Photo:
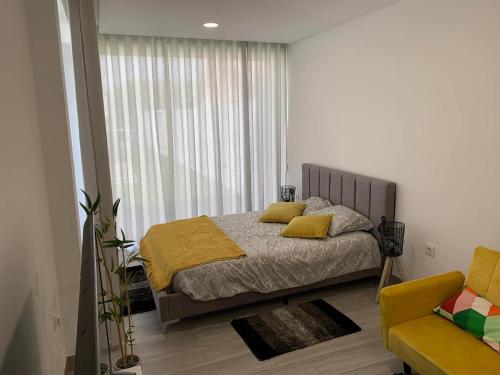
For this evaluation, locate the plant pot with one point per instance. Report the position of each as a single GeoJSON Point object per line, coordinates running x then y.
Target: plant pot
{"type": "Point", "coordinates": [127, 362]}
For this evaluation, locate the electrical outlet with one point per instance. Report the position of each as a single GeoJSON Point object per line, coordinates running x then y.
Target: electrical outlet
{"type": "Point", "coordinates": [430, 250]}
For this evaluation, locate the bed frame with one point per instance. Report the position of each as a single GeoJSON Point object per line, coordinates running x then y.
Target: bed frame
{"type": "Point", "coordinates": [371, 197]}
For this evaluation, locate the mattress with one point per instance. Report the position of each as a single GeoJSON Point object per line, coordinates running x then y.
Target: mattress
{"type": "Point", "coordinates": [274, 262]}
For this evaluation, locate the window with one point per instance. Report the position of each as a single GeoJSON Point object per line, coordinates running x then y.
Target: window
{"type": "Point", "coordinates": [194, 126]}
{"type": "Point", "coordinates": [70, 91]}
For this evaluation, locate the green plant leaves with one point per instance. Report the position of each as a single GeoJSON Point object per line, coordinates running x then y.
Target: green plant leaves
{"type": "Point", "coordinates": [87, 211]}
{"type": "Point", "coordinates": [115, 207]}
{"type": "Point", "coordinates": [115, 303]}
{"type": "Point", "coordinates": [136, 257]}
{"type": "Point", "coordinates": [88, 201]}
{"type": "Point", "coordinates": [95, 205]}
{"type": "Point", "coordinates": [90, 207]}
{"type": "Point", "coordinates": [122, 243]}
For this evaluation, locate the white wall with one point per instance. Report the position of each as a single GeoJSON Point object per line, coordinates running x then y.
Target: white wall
{"type": "Point", "coordinates": [410, 93]}
{"type": "Point", "coordinates": [30, 342]}
{"type": "Point", "coordinates": [45, 55]}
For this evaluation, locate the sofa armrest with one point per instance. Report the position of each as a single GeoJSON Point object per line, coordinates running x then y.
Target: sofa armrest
{"type": "Point", "coordinates": [417, 298]}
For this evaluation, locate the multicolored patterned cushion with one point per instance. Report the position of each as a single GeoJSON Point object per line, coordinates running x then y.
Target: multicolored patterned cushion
{"type": "Point", "coordinates": [474, 314]}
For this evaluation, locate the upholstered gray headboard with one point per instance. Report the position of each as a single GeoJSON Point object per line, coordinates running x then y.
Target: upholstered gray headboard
{"type": "Point", "coordinates": [369, 196]}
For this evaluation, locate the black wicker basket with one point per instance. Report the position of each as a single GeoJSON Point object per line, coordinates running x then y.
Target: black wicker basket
{"type": "Point", "coordinates": [392, 235]}
{"type": "Point", "coordinates": [287, 193]}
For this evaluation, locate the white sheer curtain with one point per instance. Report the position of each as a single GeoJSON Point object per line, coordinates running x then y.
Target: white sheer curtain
{"type": "Point", "coordinates": [194, 126]}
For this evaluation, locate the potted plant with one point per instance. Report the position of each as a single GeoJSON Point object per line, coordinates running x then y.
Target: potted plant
{"type": "Point", "coordinates": [114, 258]}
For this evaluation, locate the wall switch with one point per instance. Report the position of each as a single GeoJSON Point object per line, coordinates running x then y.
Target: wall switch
{"type": "Point", "coordinates": [430, 250]}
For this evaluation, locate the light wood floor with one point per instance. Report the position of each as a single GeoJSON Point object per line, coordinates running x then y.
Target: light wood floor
{"type": "Point", "coordinates": [209, 346]}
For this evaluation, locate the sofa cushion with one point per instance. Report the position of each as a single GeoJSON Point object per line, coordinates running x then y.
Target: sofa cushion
{"type": "Point", "coordinates": [435, 346]}
{"type": "Point", "coordinates": [484, 274]}
{"type": "Point", "coordinates": [474, 314]}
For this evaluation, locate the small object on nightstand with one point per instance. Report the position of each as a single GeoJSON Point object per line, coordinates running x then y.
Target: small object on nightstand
{"type": "Point", "coordinates": [391, 245]}
{"type": "Point", "coordinates": [287, 193]}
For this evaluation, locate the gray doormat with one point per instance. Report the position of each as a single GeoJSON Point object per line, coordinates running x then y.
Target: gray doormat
{"type": "Point", "coordinates": [290, 328]}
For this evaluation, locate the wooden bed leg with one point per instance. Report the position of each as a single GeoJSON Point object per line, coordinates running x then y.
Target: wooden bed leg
{"type": "Point", "coordinates": [165, 325]}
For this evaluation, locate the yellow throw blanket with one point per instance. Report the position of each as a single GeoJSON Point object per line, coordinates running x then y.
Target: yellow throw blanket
{"type": "Point", "coordinates": [182, 244]}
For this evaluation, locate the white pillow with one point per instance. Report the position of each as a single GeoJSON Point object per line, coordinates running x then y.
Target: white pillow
{"type": "Point", "coordinates": [344, 220]}
{"type": "Point", "coordinates": [314, 204]}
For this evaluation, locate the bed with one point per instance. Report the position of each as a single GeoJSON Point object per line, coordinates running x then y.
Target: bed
{"type": "Point", "coordinates": [277, 267]}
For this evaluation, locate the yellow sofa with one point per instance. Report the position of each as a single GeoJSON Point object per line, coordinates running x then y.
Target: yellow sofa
{"type": "Point", "coordinates": [428, 343]}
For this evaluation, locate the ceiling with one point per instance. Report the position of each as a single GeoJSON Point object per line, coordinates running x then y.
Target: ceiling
{"type": "Point", "coordinates": [282, 21]}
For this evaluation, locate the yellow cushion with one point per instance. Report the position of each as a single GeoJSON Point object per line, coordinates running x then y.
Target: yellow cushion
{"type": "Point", "coordinates": [308, 226]}
{"type": "Point", "coordinates": [434, 346]}
{"type": "Point", "coordinates": [484, 274]}
{"type": "Point", "coordinates": [282, 212]}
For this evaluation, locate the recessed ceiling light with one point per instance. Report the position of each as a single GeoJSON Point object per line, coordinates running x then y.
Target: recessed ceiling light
{"type": "Point", "coordinates": [211, 25]}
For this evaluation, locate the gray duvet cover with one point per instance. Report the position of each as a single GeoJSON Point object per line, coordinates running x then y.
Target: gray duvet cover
{"type": "Point", "coordinates": [274, 262]}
